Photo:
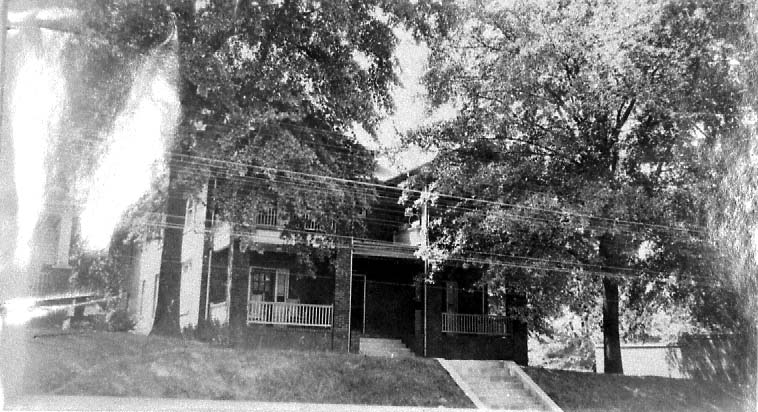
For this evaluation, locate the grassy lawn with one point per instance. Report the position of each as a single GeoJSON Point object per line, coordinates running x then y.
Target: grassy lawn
{"type": "Point", "coordinates": [584, 391]}
{"type": "Point", "coordinates": [120, 364]}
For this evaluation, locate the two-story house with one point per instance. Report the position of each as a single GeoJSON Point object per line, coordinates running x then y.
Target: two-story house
{"type": "Point", "coordinates": [327, 295]}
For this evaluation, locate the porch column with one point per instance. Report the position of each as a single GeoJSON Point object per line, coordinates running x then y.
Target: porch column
{"type": "Point", "coordinates": [434, 308]}
{"type": "Point", "coordinates": [342, 293]}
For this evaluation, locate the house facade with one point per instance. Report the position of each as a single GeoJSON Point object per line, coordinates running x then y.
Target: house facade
{"type": "Point", "coordinates": [48, 269]}
{"type": "Point", "coordinates": [326, 297]}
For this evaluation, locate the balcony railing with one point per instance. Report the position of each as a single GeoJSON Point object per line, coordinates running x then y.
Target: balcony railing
{"type": "Point", "coordinates": [293, 314]}
{"type": "Point", "coordinates": [474, 324]}
{"type": "Point", "coordinates": [270, 217]}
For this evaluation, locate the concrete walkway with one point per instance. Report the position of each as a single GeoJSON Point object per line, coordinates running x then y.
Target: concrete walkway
{"type": "Point", "coordinates": [498, 385]}
{"type": "Point", "coordinates": [107, 403]}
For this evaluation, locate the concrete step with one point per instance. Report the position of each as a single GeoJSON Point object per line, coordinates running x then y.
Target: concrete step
{"type": "Point", "coordinates": [513, 402]}
{"type": "Point", "coordinates": [494, 387]}
{"type": "Point", "coordinates": [385, 350]}
{"type": "Point", "coordinates": [501, 378]}
{"type": "Point", "coordinates": [390, 348]}
{"type": "Point", "coordinates": [376, 346]}
{"type": "Point", "coordinates": [395, 343]}
{"type": "Point", "coordinates": [389, 354]}
{"type": "Point", "coordinates": [484, 371]}
{"type": "Point", "coordinates": [379, 340]}
{"type": "Point", "coordinates": [382, 343]}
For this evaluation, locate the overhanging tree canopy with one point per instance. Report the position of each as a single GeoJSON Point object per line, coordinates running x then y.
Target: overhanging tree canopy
{"type": "Point", "coordinates": [584, 122]}
{"type": "Point", "coordinates": [266, 86]}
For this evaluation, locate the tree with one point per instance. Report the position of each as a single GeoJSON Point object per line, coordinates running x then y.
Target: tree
{"type": "Point", "coordinates": [265, 86]}
{"type": "Point", "coordinates": [581, 125]}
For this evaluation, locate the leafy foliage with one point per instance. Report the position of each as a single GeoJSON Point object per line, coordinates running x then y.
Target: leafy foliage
{"type": "Point", "coordinates": [577, 118]}
{"type": "Point", "coordinates": [276, 85]}
{"type": "Point", "coordinates": [265, 87]}
{"type": "Point", "coordinates": [119, 320]}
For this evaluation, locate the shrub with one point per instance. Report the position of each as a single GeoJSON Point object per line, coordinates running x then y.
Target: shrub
{"type": "Point", "coordinates": [118, 320]}
{"type": "Point", "coordinates": [212, 332]}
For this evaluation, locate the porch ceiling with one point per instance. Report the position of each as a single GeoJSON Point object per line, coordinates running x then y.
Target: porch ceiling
{"type": "Point", "coordinates": [383, 249]}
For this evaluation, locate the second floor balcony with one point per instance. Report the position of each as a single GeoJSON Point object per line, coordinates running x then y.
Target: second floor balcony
{"type": "Point", "coordinates": [269, 222]}
{"type": "Point", "coordinates": [272, 218]}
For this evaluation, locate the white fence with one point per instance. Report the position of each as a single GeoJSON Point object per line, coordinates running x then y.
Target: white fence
{"type": "Point", "coordinates": [474, 324]}
{"type": "Point", "coordinates": [285, 313]}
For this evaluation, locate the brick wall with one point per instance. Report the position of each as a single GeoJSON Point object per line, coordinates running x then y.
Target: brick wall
{"type": "Point", "coordinates": [342, 286]}
{"type": "Point", "coordinates": [240, 266]}
{"type": "Point", "coordinates": [288, 338]}
{"type": "Point", "coordinates": [335, 338]}
{"type": "Point", "coordinates": [456, 346]}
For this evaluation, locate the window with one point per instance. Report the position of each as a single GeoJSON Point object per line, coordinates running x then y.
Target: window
{"type": "Point", "coordinates": [261, 283]}
{"type": "Point", "coordinates": [269, 285]}
{"type": "Point", "coordinates": [282, 286]}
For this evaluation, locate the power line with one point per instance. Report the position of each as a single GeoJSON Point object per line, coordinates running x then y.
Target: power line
{"type": "Point", "coordinates": [208, 161]}
{"type": "Point", "coordinates": [577, 267]}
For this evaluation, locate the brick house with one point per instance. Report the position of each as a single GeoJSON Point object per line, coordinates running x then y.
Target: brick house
{"type": "Point", "coordinates": [355, 288]}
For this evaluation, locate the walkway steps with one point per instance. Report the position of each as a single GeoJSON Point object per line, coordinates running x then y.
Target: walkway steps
{"type": "Point", "coordinates": [388, 348]}
{"type": "Point", "coordinates": [498, 385]}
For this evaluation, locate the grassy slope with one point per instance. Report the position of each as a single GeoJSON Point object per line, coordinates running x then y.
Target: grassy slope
{"type": "Point", "coordinates": [584, 391]}
{"type": "Point", "coordinates": [99, 363]}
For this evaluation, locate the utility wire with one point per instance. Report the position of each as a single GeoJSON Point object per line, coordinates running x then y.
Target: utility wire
{"type": "Point", "coordinates": [198, 161]}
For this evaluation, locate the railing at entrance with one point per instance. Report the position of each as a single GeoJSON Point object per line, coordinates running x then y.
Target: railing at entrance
{"type": "Point", "coordinates": [286, 313]}
{"type": "Point", "coordinates": [474, 324]}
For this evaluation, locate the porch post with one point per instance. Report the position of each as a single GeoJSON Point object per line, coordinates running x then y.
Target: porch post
{"type": "Point", "coordinates": [229, 277]}
{"type": "Point", "coordinates": [342, 295]}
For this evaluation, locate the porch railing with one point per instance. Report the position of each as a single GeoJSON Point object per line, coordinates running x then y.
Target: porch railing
{"type": "Point", "coordinates": [286, 313]}
{"type": "Point", "coordinates": [474, 324]}
{"type": "Point", "coordinates": [268, 217]}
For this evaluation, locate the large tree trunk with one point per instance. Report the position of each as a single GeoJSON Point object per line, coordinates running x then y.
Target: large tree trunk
{"type": "Point", "coordinates": [610, 253]}
{"type": "Point", "coordinates": [167, 307]}
{"type": "Point", "coordinates": [611, 340]}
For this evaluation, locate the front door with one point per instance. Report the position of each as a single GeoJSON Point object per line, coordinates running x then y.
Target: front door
{"type": "Point", "coordinates": [261, 284]}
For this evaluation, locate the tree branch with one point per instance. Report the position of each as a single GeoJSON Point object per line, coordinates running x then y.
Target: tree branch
{"type": "Point", "coordinates": [546, 149]}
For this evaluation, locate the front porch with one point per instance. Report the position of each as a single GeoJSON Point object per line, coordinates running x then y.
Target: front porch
{"type": "Point", "coordinates": [474, 324]}
{"type": "Point", "coordinates": [290, 314]}
{"type": "Point", "coordinates": [449, 318]}
{"type": "Point", "coordinates": [269, 299]}
{"type": "Point", "coordinates": [367, 290]}
{"type": "Point", "coordinates": [453, 335]}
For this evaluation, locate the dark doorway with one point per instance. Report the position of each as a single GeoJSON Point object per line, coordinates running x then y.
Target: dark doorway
{"type": "Point", "coordinates": [358, 304]}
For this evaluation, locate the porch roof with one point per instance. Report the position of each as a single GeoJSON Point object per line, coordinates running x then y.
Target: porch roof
{"type": "Point", "coordinates": [378, 248]}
